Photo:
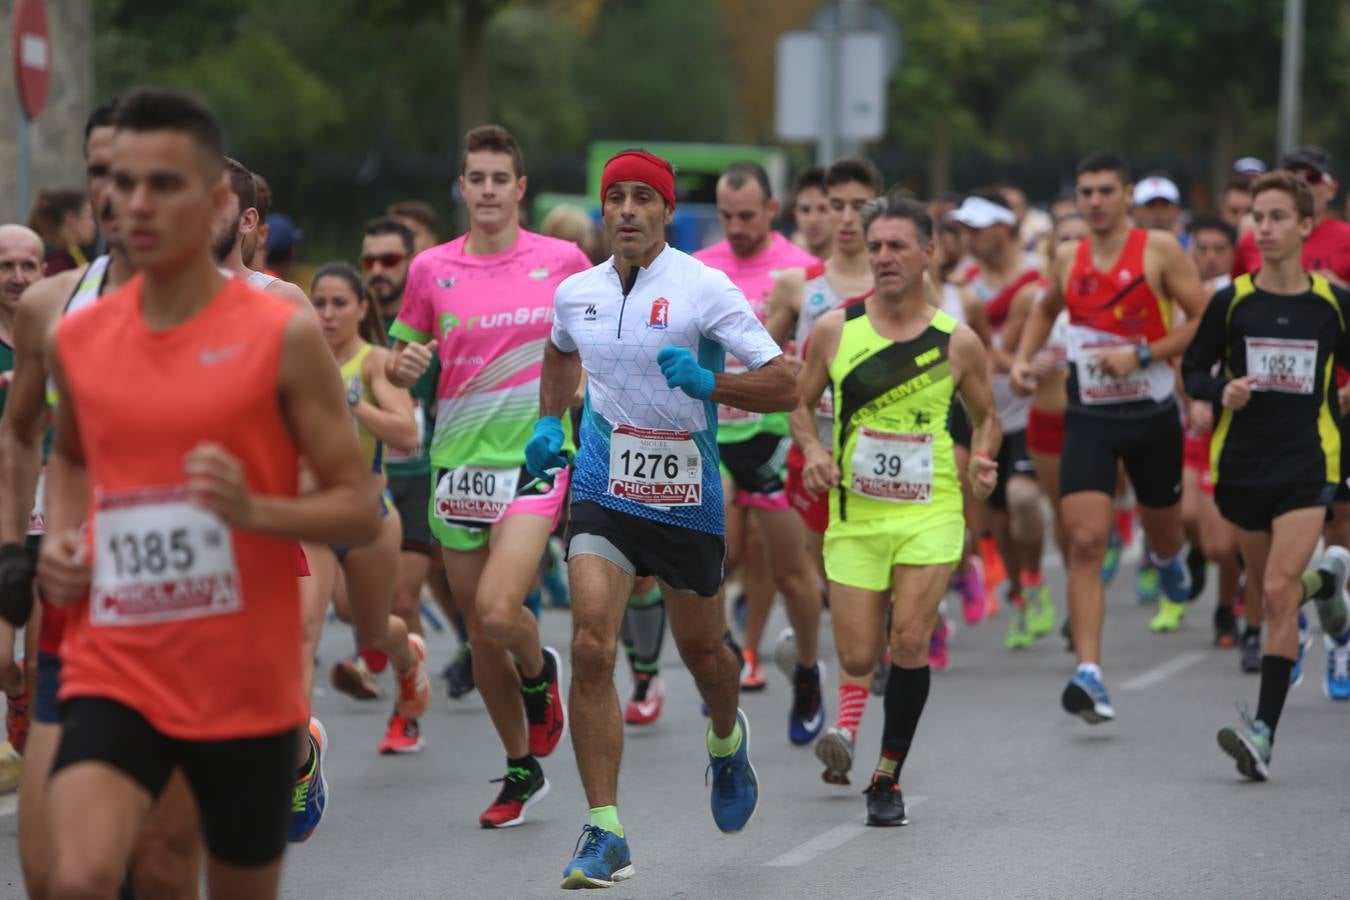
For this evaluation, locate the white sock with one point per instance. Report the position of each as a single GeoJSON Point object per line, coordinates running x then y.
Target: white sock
{"type": "Point", "coordinates": [1089, 668]}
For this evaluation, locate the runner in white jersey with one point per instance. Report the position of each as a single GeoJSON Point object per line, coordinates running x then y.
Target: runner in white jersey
{"type": "Point", "coordinates": [1005, 285]}
{"type": "Point", "coordinates": [651, 327]}
{"type": "Point", "coordinates": [803, 296]}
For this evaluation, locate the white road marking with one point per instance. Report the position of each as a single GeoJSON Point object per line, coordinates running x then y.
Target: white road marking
{"type": "Point", "coordinates": [1164, 671]}
{"type": "Point", "coordinates": [829, 840]}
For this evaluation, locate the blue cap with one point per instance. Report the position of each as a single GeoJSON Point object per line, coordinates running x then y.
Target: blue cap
{"type": "Point", "coordinates": [283, 233]}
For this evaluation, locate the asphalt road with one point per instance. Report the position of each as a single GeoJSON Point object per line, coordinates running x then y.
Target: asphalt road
{"type": "Point", "coordinates": [1009, 796]}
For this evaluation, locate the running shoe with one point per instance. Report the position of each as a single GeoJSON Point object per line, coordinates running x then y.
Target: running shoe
{"type": "Point", "coordinates": [1175, 580]}
{"type": "Point", "coordinates": [544, 709]}
{"type": "Point", "coordinates": [882, 673]}
{"type": "Point", "coordinates": [1248, 744]}
{"type": "Point", "coordinates": [1332, 611]}
{"type": "Point", "coordinates": [1041, 614]}
{"type": "Point", "coordinates": [970, 585]}
{"type": "Point", "coordinates": [309, 797]}
{"type": "Point", "coordinates": [885, 803]}
{"type": "Point", "coordinates": [1305, 642]}
{"type": "Point", "coordinates": [1336, 684]}
{"type": "Point", "coordinates": [937, 644]}
{"type": "Point", "coordinates": [1111, 561]}
{"type": "Point", "coordinates": [1196, 568]}
{"type": "Point", "coordinates": [402, 736]}
{"type": "Point", "coordinates": [459, 673]}
{"type": "Point", "coordinates": [1225, 627]}
{"type": "Point", "coordinates": [1066, 632]}
{"type": "Point", "coordinates": [735, 789]}
{"type": "Point", "coordinates": [1019, 632]}
{"type": "Point", "coordinates": [644, 707]}
{"type": "Point", "coordinates": [807, 717]}
{"type": "Point", "coordinates": [785, 653]}
{"type": "Point", "coordinates": [522, 788]}
{"type": "Point", "coordinates": [995, 571]}
{"type": "Point", "coordinates": [835, 751]}
{"type": "Point", "coordinates": [354, 678]}
{"type": "Point", "coordinates": [600, 859]}
{"type": "Point", "coordinates": [1085, 696]}
{"type": "Point", "coordinates": [752, 676]}
{"type": "Point", "coordinates": [1146, 586]}
{"type": "Point", "coordinates": [1169, 618]}
{"type": "Point", "coordinates": [414, 688]}
{"type": "Point", "coordinates": [1251, 653]}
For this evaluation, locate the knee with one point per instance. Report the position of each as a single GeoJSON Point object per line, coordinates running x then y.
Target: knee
{"type": "Point", "coordinates": [500, 620]}
{"type": "Point", "coordinates": [1282, 592]}
{"type": "Point", "coordinates": [1085, 543]}
{"type": "Point", "coordinates": [592, 656]}
{"type": "Point", "coordinates": [1024, 505]}
{"type": "Point", "coordinates": [165, 871]}
{"type": "Point", "coordinates": [857, 662]}
{"type": "Point", "coordinates": [704, 658]}
{"type": "Point", "coordinates": [73, 881]}
{"type": "Point", "coordinates": [407, 604]}
{"type": "Point", "coordinates": [796, 581]}
{"type": "Point", "coordinates": [909, 646]}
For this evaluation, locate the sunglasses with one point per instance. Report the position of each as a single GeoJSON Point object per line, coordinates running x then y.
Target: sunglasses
{"type": "Point", "coordinates": [1312, 176]}
{"type": "Point", "coordinates": [387, 260]}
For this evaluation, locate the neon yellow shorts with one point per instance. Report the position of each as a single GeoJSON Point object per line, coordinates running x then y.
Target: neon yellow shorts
{"type": "Point", "coordinates": [864, 554]}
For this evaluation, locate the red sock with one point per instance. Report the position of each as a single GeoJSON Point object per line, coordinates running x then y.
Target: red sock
{"type": "Point", "coordinates": [852, 701]}
{"type": "Point", "coordinates": [376, 660]}
{"type": "Point", "coordinates": [1031, 579]}
{"type": "Point", "coordinates": [1125, 524]}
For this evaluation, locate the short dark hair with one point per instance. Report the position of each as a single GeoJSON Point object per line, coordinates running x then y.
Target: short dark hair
{"type": "Point", "coordinates": [1291, 184]}
{"type": "Point", "coordinates": [810, 177]}
{"type": "Point", "coordinates": [103, 116]}
{"type": "Point", "coordinates": [390, 225]}
{"type": "Point", "coordinates": [1210, 222]}
{"type": "Point", "coordinates": [1237, 183]}
{"type": "Point", "coordinates": [421, 213]}
{"type": "Point", "coordinates": [158, 109]}
{"type": "Point", "coordinates": [857, 169]}
{"type": "Point", "coordinates": [243, 184]}
{"type": "Point", "coordinates": [900, 205]}
{"type": "Point", "coordinates": [742, 171]}
{"type": "Point", "coordinates": [264, 192]}
{"type": "Point", "coordinates": [1105, 161]}
{"type": "Point", "coordinates": [492, 139]}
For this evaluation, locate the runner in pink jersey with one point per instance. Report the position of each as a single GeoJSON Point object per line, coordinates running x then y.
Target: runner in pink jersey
{"type": "Point", "coordinates": [754, 451]}
{"type": "Point", "coordinates": [484, 303]}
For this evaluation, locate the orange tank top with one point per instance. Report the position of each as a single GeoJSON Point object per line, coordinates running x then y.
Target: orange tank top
{"type": "Point", "coordinates": [192, 623]}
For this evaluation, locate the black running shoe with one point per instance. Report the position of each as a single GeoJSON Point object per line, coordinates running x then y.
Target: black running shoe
{"type": "Point", "coordinates": [1066, 632]}
{"type": "Point", "coordinates": [1251, 653]}
{"type": "Point", "coordinates": [459, 673]}
{"type": "Point", "coordinates": [885, 803]}
{"type": "Point", "coordinates": [1197, 564]}
{"type": "Point", "coordinates": [1225, 627]}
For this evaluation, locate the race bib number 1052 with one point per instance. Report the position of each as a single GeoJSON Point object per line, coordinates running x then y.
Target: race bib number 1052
{"type": "Point", "coordinates": [1278, 364]}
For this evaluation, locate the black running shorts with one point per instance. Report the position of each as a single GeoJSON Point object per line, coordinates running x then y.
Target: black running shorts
{"type": "Point", "coordinates": [1253, 507]}
{"type": "Point", "coordinates": [1150, 445]}
{"type": "Point", "coordinates": [681, 558]}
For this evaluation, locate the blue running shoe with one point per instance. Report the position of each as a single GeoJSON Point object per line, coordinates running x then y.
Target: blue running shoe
{"type": "Point", "coordinates": [310, 796]}
{"type": "Point", "coordinates": [807, 717]}
{"type": "Point", "coordinates": [601, 859]}
{"type": "Point", "coordinates": [1175, 580]}
{"type": "Point", "coordinates": [1111, 562]}
{"type": "Point", "coordinates": [1146, 586]}
{"type": "Point", "coordinates": [1337, 683]}
{"type": "Point", "coordinates": [735, 789]}
{"type": "Point", "coordinates": [1085, 696]}
{"type": "Point", "coordinates": [1305, 643]}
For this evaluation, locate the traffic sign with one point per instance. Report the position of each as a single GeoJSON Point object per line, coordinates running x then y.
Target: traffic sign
{"type": "Point", "coordinates": [805, 109]}
{"type": "Point", "coordinates": [32, 52]}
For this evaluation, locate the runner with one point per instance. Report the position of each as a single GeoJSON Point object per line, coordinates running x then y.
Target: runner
{"type": "Point", "coordinates": [1157, 205]}
{"type": "Point", "coordinates": [1276, 454]}
{"type": "Point", "coordinates": [195, 565]}
{"type": "Point", "coordinates": [1213, 244]}
{"type": "Point", "coordinates": [1121, 400]}
{"type": "Point", "coordinates": [484, 303]}
{"type": "Point", "coordinates": [800, 297]}
{"type": "Point", "coordinates": [811, 212]}
{"type": "Point", "coordinates": [647, 497]}
{"type": "Point", "coordinates": [754, 448]}
{"type": "Point", "coordinates": [419, 218]}
{"type": "Point", "coordinates": [1235, 204]}
{"type": "Point", "coordinates": [893, 364]}
{"type": "Point", "coordinates": [1006, 284]}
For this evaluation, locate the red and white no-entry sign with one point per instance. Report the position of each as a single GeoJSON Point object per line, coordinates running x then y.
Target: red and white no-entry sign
{"type": "Point", "coordinates": [32, 52]}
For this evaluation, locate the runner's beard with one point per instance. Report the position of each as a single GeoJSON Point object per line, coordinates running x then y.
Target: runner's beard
{"type": "Point", "coordinates": [222, 247]}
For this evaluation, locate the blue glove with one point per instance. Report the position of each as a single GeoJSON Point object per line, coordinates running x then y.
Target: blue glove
{"type": "Point", "coordinates": [543, 453]}
{"type": "Point", "coordinates": [682, 372]}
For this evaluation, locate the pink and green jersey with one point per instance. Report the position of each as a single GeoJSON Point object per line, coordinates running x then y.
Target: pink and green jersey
{"type": "Point", "coordinates": [491, 316]}
{"type": "Point", "coordinates": [755, 277]}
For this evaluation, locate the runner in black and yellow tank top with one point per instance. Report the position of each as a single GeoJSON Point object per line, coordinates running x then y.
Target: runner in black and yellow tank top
{"type": "Point", "coordinates": [896, 524]}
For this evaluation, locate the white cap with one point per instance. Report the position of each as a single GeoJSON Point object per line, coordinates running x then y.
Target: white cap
{"type": "Point", "coordinates": [1155, 187]}
{"type": "Point", "coordinates": [977, 212]}
{"type": "Point", "coordinates": [1249, 165]}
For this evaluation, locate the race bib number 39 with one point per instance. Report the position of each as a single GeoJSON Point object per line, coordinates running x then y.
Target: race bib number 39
{"type": "Point", "coordinates": [654, 467]}
{"type": "Point", "coordinates": [159, 558]}
{"type": "Point", "coordinates": [475, 494]}
{"type": "Point", "coordinates": [897, 468]}
{"type": "Point", "coordinates": [1286, 366]}
{"type": "Point", "coordinates": [1095, 386]}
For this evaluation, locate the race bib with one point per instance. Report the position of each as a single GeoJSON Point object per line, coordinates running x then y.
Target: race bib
{"type": "Point", "coordinates": [1286, 366]}
{"type": "Point", "coordinates": [654, 467]}
{"type": "Point", "coordinates": [37, 519]}
{"type": "Point", "coordinates": [476, 494]}
{"type": "Point", "coordinates": [897, 468]}
{"type": "Point", "coordinates": [730, 415]}
{"type": "Point", "coordinates": [825, 408]}
{"type": "Point", "coordinates": [158, 558]}
{"type": "Point", "coordinates": [393, 455]}
{"type": "Point", "coordinates": [1096, 387]}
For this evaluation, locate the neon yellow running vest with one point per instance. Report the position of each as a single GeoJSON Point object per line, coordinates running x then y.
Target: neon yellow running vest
{"type": "Point", "coordinates": [372, 448]}
{"type": "Point", "coordinates": [892, 398]}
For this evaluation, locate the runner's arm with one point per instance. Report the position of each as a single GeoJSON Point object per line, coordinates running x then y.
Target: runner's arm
{"type": "Point", "coordinates": [63, 569]}
{"type": "Point", "coordinates": [292, 294]}
{"type": "Point", "coordinates": [559, 380]}
{"type": "Point", "coordinates": [770, 388]}
{"type": "Point", "coordinates": [975, 316]}
{"type": "Point", "coordinates": [1046, 309]}
{"type": "Point", "coordinates": [1207, 348]}
{"type": "Point", "coordinates": [1004, 350]}
{"type": "Point", "coordinates": [784, 305]}
{"type": "Point", "coordinates": [390, 418]}
{"type": "Point", "coordinates": [1181, 282]}
{"type": "Point", "coordinates": [812, 381]}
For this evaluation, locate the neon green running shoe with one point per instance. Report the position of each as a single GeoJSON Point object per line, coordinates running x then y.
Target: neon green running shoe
{"type": "Point", "coordinates": [1169, 618]}
{"type": "Point", "coordinates": [1042, 617]}
{"type": "Point", "coordinates": [1146, 586]}
{"type": "Point", "coordinates": [1019, 631]}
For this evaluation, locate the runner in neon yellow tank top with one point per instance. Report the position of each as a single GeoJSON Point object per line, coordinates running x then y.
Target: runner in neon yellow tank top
{"type": "Point", "coordinates": [896, 525]}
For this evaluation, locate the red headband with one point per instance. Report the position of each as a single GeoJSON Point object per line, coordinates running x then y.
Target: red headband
{"type": "Point", "coordinates": [639, 165]}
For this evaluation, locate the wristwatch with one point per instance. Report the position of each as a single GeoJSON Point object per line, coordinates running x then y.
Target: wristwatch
{"type": "Point", "coordinates": [1145, 354]}
{"type": "Point", "coordinates": [353, 392]}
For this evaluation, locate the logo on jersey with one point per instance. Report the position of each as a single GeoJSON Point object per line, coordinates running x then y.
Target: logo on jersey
{"type": "Point", "coordinates": [447, 322]}
{"type": "Point", "coordinates": [524, 315]}
{"type": "Point", "coordinates": [591, 313]}
{"type": "Point", "coordinates": [446, 283]}
{"type": "Point", "coordinates": [817, 299]}
{"type": "Point", "coordinates": [1124, 276]}
{"type": "Point", "coordinates": [539, 274]}
{"type": "Point", "coordinates": [660, 314]}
